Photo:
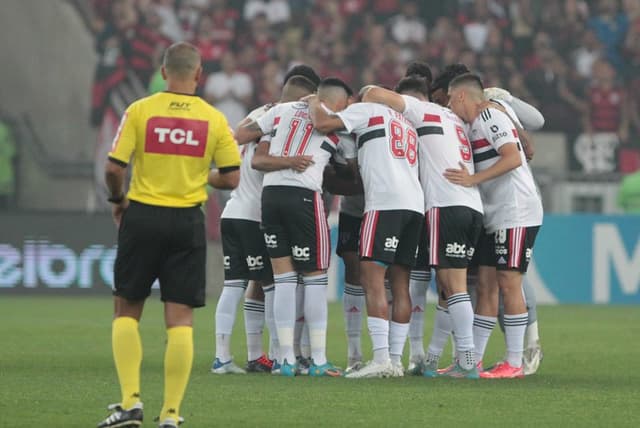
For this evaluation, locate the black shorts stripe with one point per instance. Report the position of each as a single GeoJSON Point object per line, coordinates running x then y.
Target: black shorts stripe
{"type": "Point", "coordinates": [376, 133]}
{"type": "Point", "coordinates": [489, 154]}
{"type": "Point", "coordinates": [430, 130]}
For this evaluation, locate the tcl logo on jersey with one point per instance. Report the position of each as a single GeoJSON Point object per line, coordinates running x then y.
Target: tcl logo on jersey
{"type": "Point", "coordinates": [255, 263]}
{"type": "Point", "coordinates": [176, 136]}
{"type": "Point", "coordinates": [300, 253]}
{"type": "Point", "coordinates": [456, 250]}
{"type": "Point", "coordinates": [391, 244]}
{"type": "Point", "coordinates": [270, 241]}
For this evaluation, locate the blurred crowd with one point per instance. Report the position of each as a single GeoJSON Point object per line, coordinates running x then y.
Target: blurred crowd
{"type": "Point", "coordinates": [576, 60]}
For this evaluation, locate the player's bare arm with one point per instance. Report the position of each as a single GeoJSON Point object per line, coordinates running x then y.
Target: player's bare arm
{"type": "Point", "coordinates": [509, 160]}
{"type": "Point", "coordinates": [247, 132]}
{"type": "Point", "coordinates": [322, 120]}
{"type": "Point", "coordinates": [375, 94]}
{"type": "Point", "coordinates": [263, 161]}
{"type": "Point", "coordinates": [115, 174]}
{"type": "Point", "coordinates": [224, 178]}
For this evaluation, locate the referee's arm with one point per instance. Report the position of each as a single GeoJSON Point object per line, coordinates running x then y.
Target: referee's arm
{"type": "Point", "coordinates": [227, 158]}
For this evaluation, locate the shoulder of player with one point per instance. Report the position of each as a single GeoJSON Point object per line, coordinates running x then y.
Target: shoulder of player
{"type": "Point", "coordinates": [492, 114]}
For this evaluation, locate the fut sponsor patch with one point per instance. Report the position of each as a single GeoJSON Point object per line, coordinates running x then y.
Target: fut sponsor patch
{"type": "Point", "coordinates": [176, 136]}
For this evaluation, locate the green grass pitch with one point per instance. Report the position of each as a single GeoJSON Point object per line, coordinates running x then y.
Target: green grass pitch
{"type": "Point", "coordinates": [56, 370]}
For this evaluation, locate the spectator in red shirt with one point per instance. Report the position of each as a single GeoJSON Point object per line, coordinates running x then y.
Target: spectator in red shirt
{"type": "Point", "coordinates": [607, 109]}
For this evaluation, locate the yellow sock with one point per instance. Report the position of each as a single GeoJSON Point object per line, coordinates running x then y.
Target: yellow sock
{"type": "Point", "coordinates": [177, 368]}
{"type": "Point", "coordinates": [127, 354]}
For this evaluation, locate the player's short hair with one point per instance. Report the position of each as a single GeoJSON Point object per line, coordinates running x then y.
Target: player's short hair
{"type": "Point", "coordinates": [181, 59]}
{"type": "Point", "coordinates": [413, 83]}
{"type": "Point", "coordinates": [302, 70]}
{"type": "Point", "coordinates": [303, 83]}
{"type": "Point", "coordinates": [419, 69]}
{"type": "Point", "coordinates": [467, 79]}
{"type": "Point", "coordinates": [335, 82]}
{"type": "Point", "coordinates": [447, 75]}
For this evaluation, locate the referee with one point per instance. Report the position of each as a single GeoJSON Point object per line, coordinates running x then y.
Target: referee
{"type": "Point", "coordinates": [172, 137]}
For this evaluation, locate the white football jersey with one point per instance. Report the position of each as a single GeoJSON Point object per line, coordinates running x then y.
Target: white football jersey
{"type": "Point", "coordinates": [442, 144]}
{"type": "Point", "coordinates": [510, 200]}
{"type": "Point", "coordinates": [352, 205]}
{"type": "Point", "coordinates": [293, 134]}
{"type": "Point", "coordinates": [387, 157]}
{"type": "Point", "coordinates": [244, 203]}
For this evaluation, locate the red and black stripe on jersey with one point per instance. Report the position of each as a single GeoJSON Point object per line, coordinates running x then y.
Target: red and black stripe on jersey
{"type": "Point", "coordinates": [431, 128]}
{"type": "Point", "coordinates": [331, 145]}
{"type": "Point", "coordinates": [380, 132]}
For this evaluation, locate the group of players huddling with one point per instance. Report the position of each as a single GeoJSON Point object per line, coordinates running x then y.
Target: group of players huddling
{"type": "Point", "coordinates": [434, 175]}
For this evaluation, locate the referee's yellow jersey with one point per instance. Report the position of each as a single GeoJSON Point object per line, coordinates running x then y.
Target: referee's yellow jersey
{"type": "Point", "coordinates": [173, 139]}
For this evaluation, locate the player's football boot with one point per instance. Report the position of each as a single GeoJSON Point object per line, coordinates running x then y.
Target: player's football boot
{"type": "Point", "coordinates": [460, 373]}
{"type": "Point", "coordinates": [430, 369]}
{"type": "Point", "coordinates": [121, 418]}
{"type": "Point", "coordinates": [397, 369]}
{"type": "Point", "coordinates": [259, 365]}
{"type": "Point", "coordinates": [303, 365]}
{"type": "Point", "coordinates": [326, 369]}
{"type": "Point", "coordinates": [289, 370]}
{"type": "Point", "coordinates": [503, 370]}
{"type": "Point", "coordinates": [531, 359]}
{"type": "Point", "coordinates": [354, 366]}
{"type": "Point", "coordinates": [275, 367]}
{"type": "Point", "coordinates": [371, 370]}
{"type": "Point", "coordinates": [228, 367]}
{"type": "Point", "coordinates": [416, 365]}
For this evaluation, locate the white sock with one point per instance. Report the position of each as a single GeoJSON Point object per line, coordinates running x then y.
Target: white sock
{"type": "Point", "coordinates": [226, 309]}
{"type": "Point", "coordinates": [253, 325]}
{"type": "Point", "coordinates": [284, 311]}
{"type": "Point", "coordinates": [379, 332]}
{"type": "Point", "coordinates": [418, 284]}
{"type": "Point", "coordinates": [514, 328]}
{"type": "Point", "coordinates": [274, 346]}
{"type": "Point", "coordinates": [353, 303]}
{"type": "Point", "coordinates": [532, 337]}
{"type": "Point", "coordinates": [482, 328]}
{"type": "Point", "coordinates": [297, 334]}
{"type": "Point", "coordinates": [315, 314]}
{"type": "Point", "coordinates": [461, 314]}
{"type": "Point", "coordinates": [305, 342]}
{"type": "Point", "coordinates": [441, 331]}
{"type": "Point", "coordinates": [397, 337]}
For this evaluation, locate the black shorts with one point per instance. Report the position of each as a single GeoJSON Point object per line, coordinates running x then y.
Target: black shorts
{"type": "Point", "coordinates": [391, 236]}
{"type": "Point", "coordinates": [507, 249]}
{"type": "Point", "coordinates": [348, 234]}
{"type": "Point", "coordinates": [453, 235]}
{"type": "Point", "coordinates": [161, 243]}
{"type": "Point", "coordinates": [422, 258]}
{"type": "Point", "coordinates": [245, 255]}
{"type": "Point", "coordinates": [294, 224]}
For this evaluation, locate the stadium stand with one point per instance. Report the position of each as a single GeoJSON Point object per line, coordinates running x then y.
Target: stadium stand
{"type": "Point", "coordinates": [576, 60]}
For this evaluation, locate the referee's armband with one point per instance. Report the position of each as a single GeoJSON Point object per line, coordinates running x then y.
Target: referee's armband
{"type": "Point", "coordinates": [227, 169]}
